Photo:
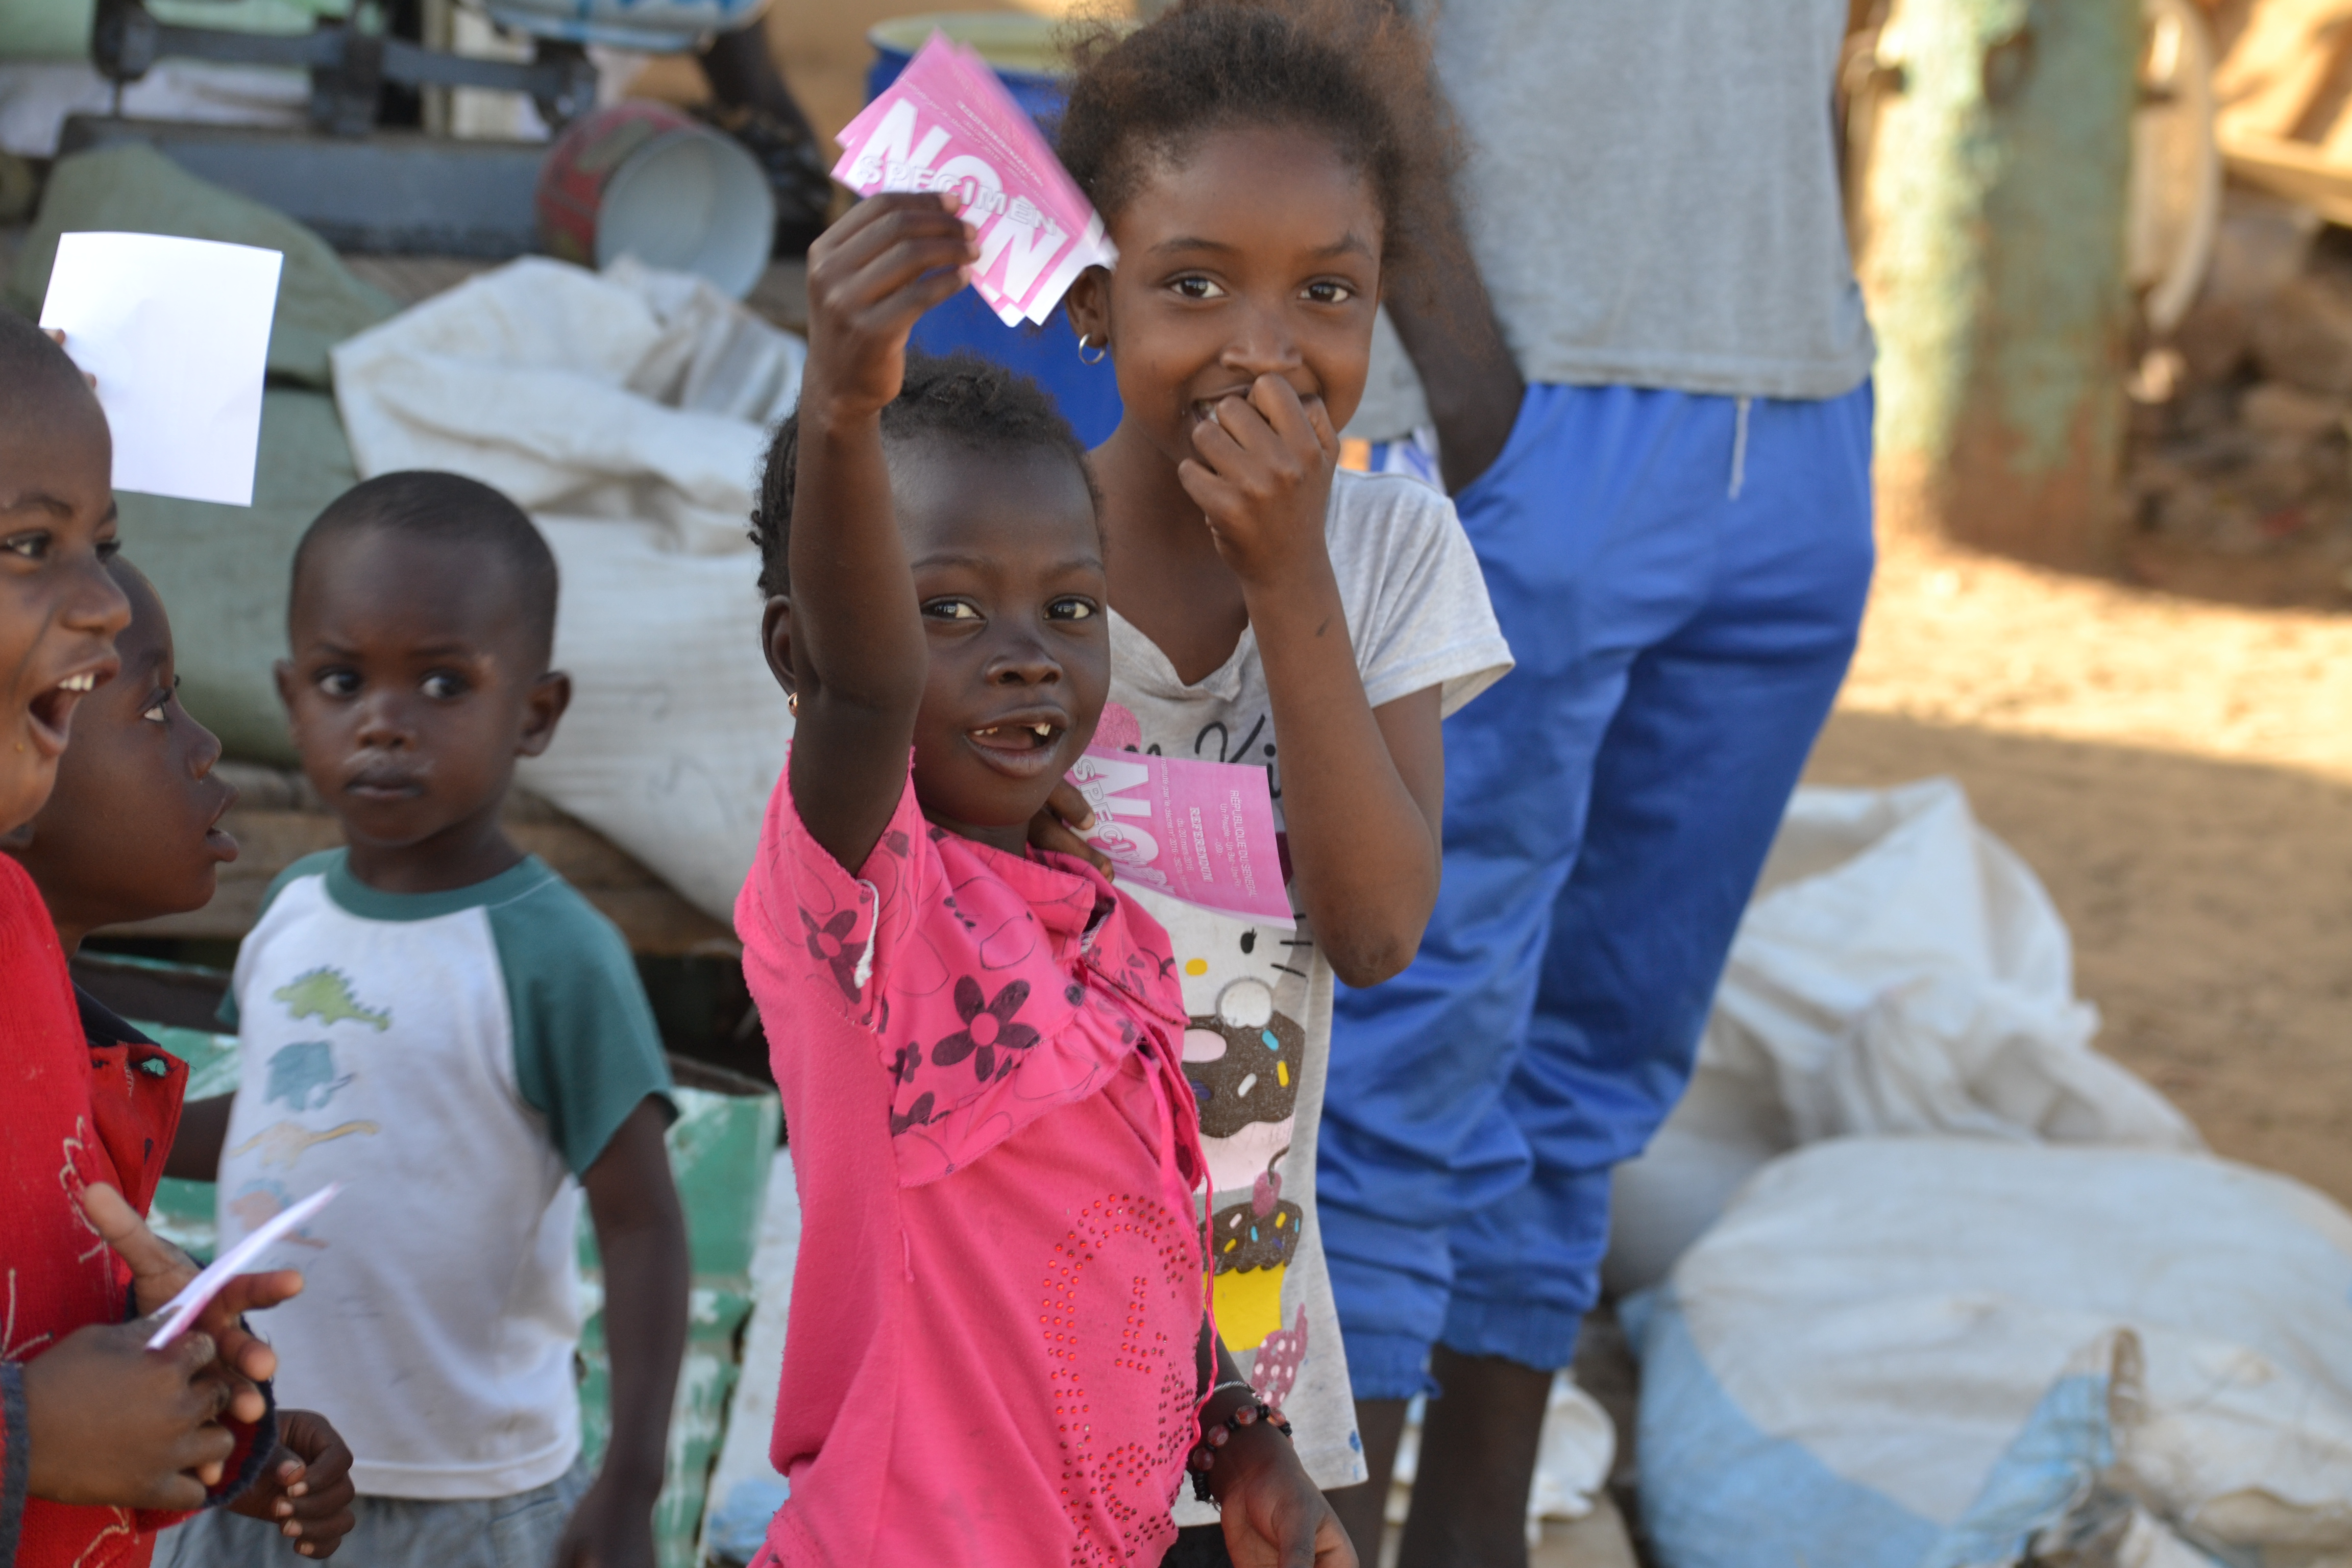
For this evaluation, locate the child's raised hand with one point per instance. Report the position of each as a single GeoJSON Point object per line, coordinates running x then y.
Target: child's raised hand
{"type": "Point", "coordinates": [110, 1423]}
{"type": "Point", "coordinates": [306, 1489]}
{"type": "Point", "coordinates": [870, 274]}
{"type": "Point", "coordinates": [160, 1271]}
{"type": "Point", "coordinates": [1262, 474]}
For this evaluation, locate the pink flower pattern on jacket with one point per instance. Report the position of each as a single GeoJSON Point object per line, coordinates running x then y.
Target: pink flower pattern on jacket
{"type": "Point", "coordinates": [989, 1027]}
{"type": "Point", "coordinates": [1001, 1284]}
{"type": "Point", "coordinates": [979, 951]}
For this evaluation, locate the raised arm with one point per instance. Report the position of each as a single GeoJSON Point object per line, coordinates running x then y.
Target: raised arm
{"type": "Point", "coordinates": [848, 640]}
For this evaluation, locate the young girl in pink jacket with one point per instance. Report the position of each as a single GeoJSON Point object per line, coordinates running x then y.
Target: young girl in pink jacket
{"type": "Point", "coordinates": [999, 1350]}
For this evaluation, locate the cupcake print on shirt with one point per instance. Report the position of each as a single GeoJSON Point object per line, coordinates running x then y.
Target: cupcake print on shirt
{"type": "Point", "coordinates": [1243, 1059]}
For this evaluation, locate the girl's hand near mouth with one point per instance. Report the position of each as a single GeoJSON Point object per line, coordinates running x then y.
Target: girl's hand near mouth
{"type": "Point", "coordinates": [1261, 476]}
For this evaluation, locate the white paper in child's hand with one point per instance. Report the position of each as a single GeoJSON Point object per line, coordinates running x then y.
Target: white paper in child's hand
{"type": "Point", "coordinates": [177, 333]}
{"type": "Point", "coordinates": [197, 1294]}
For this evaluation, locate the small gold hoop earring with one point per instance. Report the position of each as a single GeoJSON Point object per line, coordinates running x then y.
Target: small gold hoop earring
{"type": "Point", "coordinates": [1102, 351]}
{"type": "Point", "coordinates": [793, 704]}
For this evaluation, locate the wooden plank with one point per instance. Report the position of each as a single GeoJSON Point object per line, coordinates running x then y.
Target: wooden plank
{"type": "Point", "coordinates": [2296, 170]}
{"type": "Point", "coordinates": [2328, 125]}
{"type": "Point", "coordinates": [408, 278]}
{"type": "Point", "coordinates": [2279, 65]}
{"type": "Point", "coordinates": [278, 821]}
{"type": "Point", "coordinates": [782, 294]}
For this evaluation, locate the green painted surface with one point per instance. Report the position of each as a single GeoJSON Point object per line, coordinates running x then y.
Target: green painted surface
{"type": "Point", "coordinates": [183, 1210]}
{"type": "Point", "coordinates": [719, 1149]}
{"type": "Point", "coordinates": [1998, 180]}
{"type": "Point", "coordinates": [59, 29]}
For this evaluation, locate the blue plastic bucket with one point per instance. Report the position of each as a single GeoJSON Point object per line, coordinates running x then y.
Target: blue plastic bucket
{"type": "Point", "coordinates": [1020, 50]}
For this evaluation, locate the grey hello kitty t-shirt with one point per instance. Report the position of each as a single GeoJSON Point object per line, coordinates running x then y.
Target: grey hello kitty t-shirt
{"type": "Point", "coordinates": [1259, 997]}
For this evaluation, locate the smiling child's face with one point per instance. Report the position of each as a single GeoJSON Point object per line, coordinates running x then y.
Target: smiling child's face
{"type": "Point", "coordinates": [59, 610]}
{"type": "Point", "coordinates": [1009, 572]}
{"type": "Point", "coordinates": [1257, 252]}
{"type": "Point", "coordinates": [132, 830]}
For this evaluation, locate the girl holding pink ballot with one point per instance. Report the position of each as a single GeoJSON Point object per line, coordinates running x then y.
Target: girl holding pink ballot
{"type": "Point", "coordinates": [999, 1349]}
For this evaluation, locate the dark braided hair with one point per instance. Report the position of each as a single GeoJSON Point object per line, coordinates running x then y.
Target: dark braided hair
{"type": "Point", "coordinates": [1355, 71]}
{"type": "Point", "coordinates": [958, 398]}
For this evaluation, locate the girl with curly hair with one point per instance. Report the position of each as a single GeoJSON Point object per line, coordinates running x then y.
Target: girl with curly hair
{"type": "Point", "coordinates": [1263, 170]}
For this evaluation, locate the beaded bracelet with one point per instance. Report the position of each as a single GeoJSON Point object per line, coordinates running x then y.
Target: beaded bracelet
{"type": "Point", "coordinates": [1203, 1458]}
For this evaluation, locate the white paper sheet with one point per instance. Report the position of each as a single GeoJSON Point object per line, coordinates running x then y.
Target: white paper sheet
{"type": "Point", "coordinates": [197, 1294]}
{"type": "Point", "coordinates": [177, 332]}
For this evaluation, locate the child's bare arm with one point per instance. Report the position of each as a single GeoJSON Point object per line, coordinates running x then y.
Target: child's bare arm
{"type": "Point", "coordinates": [1274, 1516]}
{"type": "Point", "coordinates": [641, 1239]}
{"type": "Point", "coordinates": [857, 653]}
{"type": "Point", "coordinates": [1450, 333]}
{"type": "Point", "coordinates": [1363, 793]}
{"type": "Point", "coordinates": [110, 1422]}
{"type": "Point", "coordinates": [196, 1147]}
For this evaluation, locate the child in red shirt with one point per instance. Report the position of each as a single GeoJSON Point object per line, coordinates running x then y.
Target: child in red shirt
{"type": "Point", "coordinates": [131, 832]}
{"type": "Point", "coordinates": [102, 1441]}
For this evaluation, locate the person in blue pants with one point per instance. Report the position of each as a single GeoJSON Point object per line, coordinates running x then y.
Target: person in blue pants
{"type": "Point", "coordinates": [1658, 438]}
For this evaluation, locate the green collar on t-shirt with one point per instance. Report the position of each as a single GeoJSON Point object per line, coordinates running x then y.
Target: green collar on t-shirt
{"type": "Point", "coordinates": [354, 897]}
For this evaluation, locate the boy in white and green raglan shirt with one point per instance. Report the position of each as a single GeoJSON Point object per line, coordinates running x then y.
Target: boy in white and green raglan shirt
{"type": "Point", "coordinates": [441, 1023]}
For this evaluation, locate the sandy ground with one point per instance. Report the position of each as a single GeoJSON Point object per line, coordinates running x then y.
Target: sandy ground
{"type": "Point", "coordinates": [2180, 776]}
{"type": "Point", "coordinates": [2180, 773]}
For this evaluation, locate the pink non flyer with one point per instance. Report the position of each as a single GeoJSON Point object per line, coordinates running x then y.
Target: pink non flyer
{"type": "Point", "coordinates": [1201, 832]}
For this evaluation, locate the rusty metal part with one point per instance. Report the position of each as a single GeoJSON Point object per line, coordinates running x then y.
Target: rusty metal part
{"type": "Point", "coordinates": [1993, 233]}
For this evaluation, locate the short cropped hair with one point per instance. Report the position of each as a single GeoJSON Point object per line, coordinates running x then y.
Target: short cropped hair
{"type": "Point", "coordinates": [955, 399]}
{"type": "Point", "coordinates": [32, 365]}
{"type": "Point", "coordinates": [450, 509]}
